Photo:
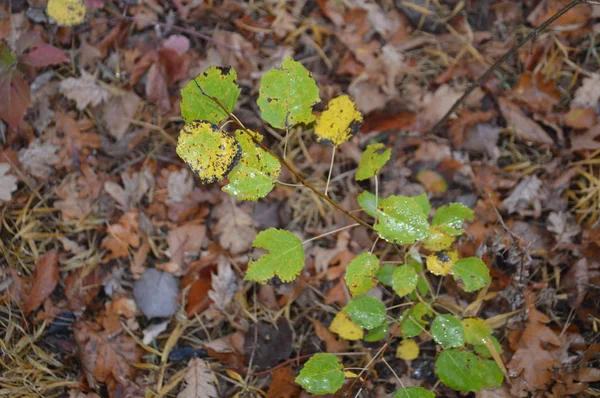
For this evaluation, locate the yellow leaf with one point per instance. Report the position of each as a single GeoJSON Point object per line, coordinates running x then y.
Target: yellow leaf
{"type": "Point", "coordinates": [440, 263]}
{"type": "Point", "coordinates": [407, 350]}
{"type": "Point", "coordinates": [66, 12]}
{"type": "Point", "coordinates": [340, 121]}
{"type": "Point", "coordinates": [350, 375]}
{"type": "Point", "coordinates": [345, 328]}
{"type": "Point", "coordinates": [209, 152]}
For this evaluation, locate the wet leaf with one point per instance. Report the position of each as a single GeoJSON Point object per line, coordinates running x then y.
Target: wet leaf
{"type": "Point", "coordinates": [413, 322]}
{"type": "Point", "coordinates": [386, 273]}
{"type": "Point", "coordinates": [66, 12]}
{"type": "Point", "coordinates": [451, 217]}
{"type": "Point", "coordinates": [345, 328]}
{"type": "Point", "coordinates": [401, 220]}
{"type": "Point", "coordinates": [366, 200]}
{"type": "Point", "coordinates": [209, 152]}
{"type": "Point", "coordinates": [366, 311]}
{"type": "Point", "coordinates": [322, 374]}
{"type": "Point", "coordinates": [441, 263]}
{"type": "Point", "coordinates": [339, 122]}
{"type": "Point", "coordinates": [287, 95]}
{"type": "Point", "coordinates": [483, 350]}
{"type": "Point", "coordinates": [438, 239]}
{"type": "Point", "coordinates": [414, 392]}
{"type": "Point", "coordinates": [423, 202]}
{"type": "Point", "coordinates": [372, 160]}
{"type": "Point", "coordinates": [378, 333]}
{"type": "Point", "coordinates": [255, 174]}
{"type": "Point", "coordinates": [448, 331]}
{"type": "Point", "coordinates": [476, 330]}
{"type": "Point", "coordinates": [472, 272]}
{"type": "Point", "coordinates": [408, 350]}
{"type": "Point", "coordinates": [44, 280]}
{"type": "Point", "coordinates": [404, 280]}
{"type": "Point", "coordinates": [285, 258]}
{"type": "Point", "coordinates": [218, 82]}
{"type": "Point", "coordinates": [361, 272]}
{"type": "Point", "coordinates": [463, 371]}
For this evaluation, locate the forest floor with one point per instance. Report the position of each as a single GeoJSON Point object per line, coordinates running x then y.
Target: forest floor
{"type": "Point", "coordinates": [94, 198]}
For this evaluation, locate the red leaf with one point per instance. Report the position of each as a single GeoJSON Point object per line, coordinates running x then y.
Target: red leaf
{"type": "Point", "coordinates": [15, 97]}
{"type": "Point", "coordinates": [156, 87]}
{"type": "Point", "coordinates": [44, 280]}
{"type": "Point", "coordinates": [44, 55]}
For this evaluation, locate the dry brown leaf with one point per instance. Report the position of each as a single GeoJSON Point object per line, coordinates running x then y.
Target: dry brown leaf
{"type": "Point", "coordinates": [436, 105]}
{"type": "Point", "coordinates": [588, 94]}
{"type": "Point", "coordinates": [283, 385]}
{"type": "Point", "coordinates": [525, 128]}
{"type": "Point", "coordinates": [588, 141]}
{"type": "Point", "coordinates": [523, 195]}
{"type": "Point", "coordinates": [180, 184]}
{"type": "Point", "coordinates": [84, 90]}
{"type": "Point", "coordinates": [39, 158]}
{"type": "Point", "coordinates": [185, 242]}
{"type": "Point", "coordinates": [577, 282]}
{"type": "Point", "coordinates": [8, 183]}
{"type": "Point", "coordinates": [199, 380]}
{"type": "Point", "coordinates": [135, 186]}
{"type": "Point", "coordinates": [121, 236]}
{"type": "Point", "coordinates": [332, 343]}
{"type": "Point", "coordinates": [536, 357]}
{"type": "Point", "coordinates": [235, 227]}
{"type": "Point", "coordinates": [44, 280]}
{"type": "Point", "coordinates": [223, 285]}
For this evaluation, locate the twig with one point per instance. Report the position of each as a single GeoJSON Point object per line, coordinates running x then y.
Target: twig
{"type": "Point", "coordinates": [530, 37]}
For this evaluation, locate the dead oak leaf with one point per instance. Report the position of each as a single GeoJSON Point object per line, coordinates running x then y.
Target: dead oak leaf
{"type": "Point", "coordinates": [105, 358]}
{"type": "Point", "coordinates": [235, 227]}
{"type": "Point", "coordinates": [84, 90]}
{"type": "Point", "coordinates": [38, 158]}
{"type": "Point", "coordinates": [223, 285]}
{"type": "Point", "coordinates": [121, 236]}
{"type": "Point", "coordinates": [199, 380]}
{"type": "Point", "coordinates": [184, 242]}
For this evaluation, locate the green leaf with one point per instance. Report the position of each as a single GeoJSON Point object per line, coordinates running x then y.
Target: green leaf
{"type": "Point", "coordinates": [401, 219]}
{"type": "Point", "coordinates": [339, 122]}
{"type": "Point", "coordinates": [378, 333]}
{"type": "Point", "coordinates": [366, 311]}
{"type": "Point", "coordinates": [491, 374]}
{"type": "Point", "coordinates": [385, 274]}
{"type": "Point", "coordinates": [451, 217]}
{"type": "Point", "coordinates": [423, 201]}
{"type": "Point", "coordinates": [218, 82]}
{"type": "Point", "coordinates": [361, 272]}
{"type": "Point", "coordinates": [367, 202]}
{"type": "Point", "coordinates": [209, 152]}
{"type": "Point", "coordinates": [476, 330]}
{"type": "Point", "coordinates": [448, 331]}
{"type": "Point", "coordinates": [413, 322]}
{"type": "Point", "coordinates": [473, 273]}
{"type": "Point", "coordinates": [322, 374]}
{"type": "Point", "coordinates": [404, 280]}
{"type": "Point", "coordinates": [372, 160]}
{"type": "Point", "coordinates": [7, 59]}
{"type": "Point", "coordinates": [413, 392]}
{"type": "Point", "coordinates": [285, 258]}
{"type": "Point", "coordinates": [287, 95]}
{"type": "Point", "coordinates": [438, 239]}
{"type": "Point", "coordinates": [460, 370]}
{"type": "Point", "coordinates": [482, 349]}
{"type": "Point", "coordinates": [254, 176]}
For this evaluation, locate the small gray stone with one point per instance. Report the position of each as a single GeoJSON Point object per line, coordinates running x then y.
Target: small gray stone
{"type": "Point", "coordinates": [155, 294]}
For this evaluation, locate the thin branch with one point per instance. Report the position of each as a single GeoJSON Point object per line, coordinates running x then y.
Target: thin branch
{"type": "Point", "coordinates": [530, 37]}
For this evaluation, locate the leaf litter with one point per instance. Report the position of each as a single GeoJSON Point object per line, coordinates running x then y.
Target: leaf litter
{"type": "Point", "coordinates": [97, 206]}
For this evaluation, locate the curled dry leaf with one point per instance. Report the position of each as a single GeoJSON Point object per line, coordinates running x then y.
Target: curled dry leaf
{"type": "Point", "coordinates": [44, 280]}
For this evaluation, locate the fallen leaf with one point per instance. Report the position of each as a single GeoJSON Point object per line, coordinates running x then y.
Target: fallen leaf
{"type": "Point", "coordinates": [536, 93]}
{"type": "Point", "coordinates": [577, 282]}
{"type": "Point", "coordinates": [525, 128]}
{"type": "Point", "coordinates": [156, 293]}
{"type": "Point", "coordinates": [121, 236]}
{"type": "Point", "coordinates": [223, 285]}
{"type": "Point", "coordinates": [66, 12]}
{"type": "Point", "coordinates": [118, 113]}
{"type": "Point", "coordinates": [588, 94]}
{"type": "Point", "coordinates": [436, 105]}
{"type": "Point", "coordinates": [8, 183]}
{"type": "Point", "coordinates": [235, 227]}
{"type": "Point", "coordinates": [523, 195]}
{"type": "Point", "coordinates": [16, 95]}
{"type": "Point", "coordinates": [199, 380]}
{"type": "Point", "coordinates": [84, 90]}
{"type": "Point", "coordinates": [44, 280]}
{"type": "Point", "coordinates": [105, 358]}
{"type": "Point", "coordinates": [44, 55]}
{"type": "Point", "coordinates": [198, 300]}
{"type": "Point", "coordinates": [185, 242]}
{"type": "Point", "coordinates": [153, 331]}
{"type": "Point", "coordinates": [588, 141]}
{"type": "Point", "coordinates": [282, 384]}
{"type": "Point", "coordinates": [574, 19]}
{"type": "Point", "coordinates": [536, 357]}
{"type": "Point", "coordinates": [332, 343]}
{"type": "Point", "coordinates": [180, 184]}
{"type": "Point", "coordinates": [581, 118]}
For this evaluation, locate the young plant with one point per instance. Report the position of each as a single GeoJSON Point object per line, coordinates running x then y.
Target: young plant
{"type": "Point", "coordinates": [287, 95]}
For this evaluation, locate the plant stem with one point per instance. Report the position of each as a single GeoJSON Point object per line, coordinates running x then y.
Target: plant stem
{"type": "Point", "coordinates": [530, 37]}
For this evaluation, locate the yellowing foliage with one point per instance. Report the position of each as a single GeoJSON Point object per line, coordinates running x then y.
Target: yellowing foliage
{"type": "Point", "coordinates": [340, 121]}
{"type": "Point", "coordinates": [345, 328]}
{"type": "Point", "coordinates": [441, 263]}
{"type": "Point", "coordinates": [408, 350]}
{"type": "Point", "coordinates": [66, 12]}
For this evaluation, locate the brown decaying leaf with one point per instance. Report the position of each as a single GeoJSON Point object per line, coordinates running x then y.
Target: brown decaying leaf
{"type": "Point", "coordinates": [84, 90]}
{"type": "Point", "coordinates": [199, 380]}
{"type": "Point", "coordinates": [525, 128]}
{"type": "Point", "coordinates": [198, 300]}
{"type": "Point", "coordinates": [8, 183]}
{"type": "Point", "coordinates": [17, 96]}
{"type": "Point", "coordinates": [121, 236]}
{"type": "Point", "coordinates": [184, 241]}
{"type": "Point", "coordinates": [38, 158]}
{"type": "Point", "coordinates": [235, 227]}
{"type": "Point", "coordinates": [44, 280]}
{"type": "Point", "coordinates": [332, 343]}
{"type": "Point", "coordinates": [536, 93]}
{"type": "Point", "coordinates": [283, 385]}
